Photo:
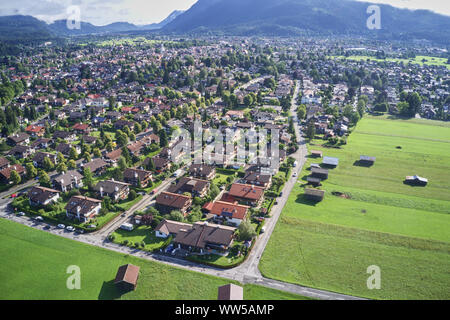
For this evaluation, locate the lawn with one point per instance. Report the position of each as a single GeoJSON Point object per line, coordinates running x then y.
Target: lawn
{"type": "Point", "coordinates": [368, 216]}
{"type": "Point", "coordinates": [139, 234]}
{"type": "Point", "coordinates": [43, 259]}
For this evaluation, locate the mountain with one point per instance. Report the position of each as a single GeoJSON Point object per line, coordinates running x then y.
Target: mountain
{"type": "Point", "coordinates": [25, 28]}
{"type": "Point", "coordinates": [28, 28]}
{"type": "Point", "coordinates": [300, 17]}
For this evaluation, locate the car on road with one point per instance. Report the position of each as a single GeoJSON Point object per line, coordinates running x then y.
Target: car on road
{"type": "Point", "coordinates": [123, 215]}
{"type": "Point", "coordinates": [70, 228]}
{"type": "Point", "coordinates": [295, 174]}
{"type": "Point", "coordinates": [39, 218]}
{"type": "Point", "coordinates": [80, 231]}
{"type": "Point", "coordinates": [21, 213]}
{"type": "Point", "coordinates": [61, 226]}
{"type": "Point", "coordinates": [153, 191]}
{"type": "Point", "coordinates": [263, 229]}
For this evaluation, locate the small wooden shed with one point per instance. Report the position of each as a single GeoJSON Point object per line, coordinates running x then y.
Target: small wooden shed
{"type": "Point", "coordinates": [231, 292]}
{"type": "Point", "coordinates": [314, 194]}
{"type": "Point", "coordinates": [127, 277]}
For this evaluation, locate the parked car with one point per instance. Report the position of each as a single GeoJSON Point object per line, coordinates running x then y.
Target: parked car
{"type": "Point", "coordinates": [39, 218]}
{"type": "Point", "coordinates": [21, 213]}
{"type": "Point", "coordinates": [47, 227]}
{"type": "Point", "coordinates": [263, 229]}
{"type": "Point", "coordinates": [169, 248]}
{"type": "Point", "coordinates": [281, 194]}
{"type": "Point", "coordinates": [61, 226]}
{"type": "Point", "coordinates": [295, 174]}
{"type": "Point", "coordinates": [81, 231]}
{"type": "Point", "coordinates": [70, 228]}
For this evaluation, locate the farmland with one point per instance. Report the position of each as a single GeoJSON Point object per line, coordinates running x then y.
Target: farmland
{"type": "Point", "coordinates": [370, 217]}
{"type": "Point", "coordinates": [421, 60]}
{"type": "Point", "coordinates": [43, 258]}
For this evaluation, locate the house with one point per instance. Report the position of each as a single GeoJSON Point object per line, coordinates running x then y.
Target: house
{"type": "Point", "coordinates": [83, 208]}
{"type": "Point", "coordinates": [35, 131]}
{"type": "Point", "coordinates": [64, 135]}
{"type": "Point", "coordinates": [136, 177]}
{"type": "Point", "coordinates": [205, 236]}
{"type": "Point", "coordinates": [5, 173]}
{"type": "Point", "coordinates": [96, 166]}
{"type": "Point", "coordinates": [258, 179]}
{"type": "Point", "coordinates": [127, 277]}
{"type": "Point", "coordinates": [161, 164]}
{"type": "Point", "coordinates": [115, 190]}
{"type": "Point", "coordinates": [319, 173]}
{"type": "Point", "coordinates": [40, 196]}
{"type": "Point", "coordinates": [202, 171]}
{"type": "Point", "coordinates": [416, 181]}
{"type": "Point", "coordinates": [232, 213]}
{"type": "Point", "coordinates": [167, 202]}
{"type": "Point", "coordinates": [39, 157]}
{"type": "Point", "coordinates": [230, 292]}
{"type": "Point", "coordinates": [81, 128]}
{"type": "Point", "coordinates": [331, 162]}
{"type": "Point", "coordinates": [89, 139]}
{"type": "Point", "coordinates": [196, 187]}
{"type": "Point", "coordinates": [113, 156]}
{"type": "Point", "coordinates": [167, 228]}
{"type": "Point", "coordinates": [120, 124]}
{"type": "Point", "coordinates": [21, 152]}
{"type": "Point", "coordinates": [68, 181]}
{"type": "Point", "coordinates": [18, 138]}
{"type": "Point", "coordinates": [41, 143]}
{"type": "Point", "coordinates": [136, 148]}
{"type": "Point", "coordinates": [65, 148]}
{"type": "Point", "coordinates": [314, 194]}
{"type": "Point", "coordinates": [245, 193]}
{"type": "Point", "coordinates": [4, 163]}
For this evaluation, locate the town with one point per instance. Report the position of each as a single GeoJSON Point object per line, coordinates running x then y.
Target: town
{"type": "Point", "coordinates": [90, 149]}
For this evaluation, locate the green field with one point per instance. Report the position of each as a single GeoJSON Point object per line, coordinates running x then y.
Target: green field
{"type": "Point", "coordinates": [34, 265]}
{"type": "Point", "coordinates": [369, 217]}
{"type": "Point", "coordinates": [422, 60]}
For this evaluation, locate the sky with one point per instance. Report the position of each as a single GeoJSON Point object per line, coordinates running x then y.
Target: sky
{"type": "Point", "coordinates": [102, 12]}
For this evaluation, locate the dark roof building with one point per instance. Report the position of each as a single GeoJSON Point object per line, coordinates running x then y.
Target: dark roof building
{"type": "Point", "coordinates": [42, 196]}
{"type": "Point", "coordinates": [127, 277]}
{"type": "Point", "coordinates": [196, 187]}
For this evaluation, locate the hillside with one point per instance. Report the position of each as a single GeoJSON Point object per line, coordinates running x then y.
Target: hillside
{"type": "Point", "coordinates": [296, 17]}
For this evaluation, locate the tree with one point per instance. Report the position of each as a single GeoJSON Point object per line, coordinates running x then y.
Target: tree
{"type": "Point", "coordinates": [311, 130]}
{"type": "Point", "coordinates": [72, 164]}
{"type": "Point", "coordinates": [151, 165]}
{"type": "Point", "coordinates": [61, 167]}
{"type": "Point", "coordinates": [73, 154]}
{"type": "Point", "coordinates": [88, 180]}
{"type": "Point", "coordinates": [44, 179]}
{"type": "Point", "coordinates": [246, 231]}
{"type": "Point", "coordinates": [213, 191]}
{"type": "Point", "coordinates": [97, 153]}
{"type": "Point", "coordinates": [122, 164]}
{"type": "Point", "coordinates": [248, 100]}
{"type": "Point", "coordinates": [176, 216]}
{"type": "Point", "coordinates": [15, 177]}
{"type": "Point", "coordinates": [48, 164]}
{"type": "Point", "coordinates": [301, 111]}
{"type": "Point", "coordinates": [132, 195]}
{"type": "Point", "coordinates": [31, 171]}
{"type": "Point", "coordinates": [163, 142]}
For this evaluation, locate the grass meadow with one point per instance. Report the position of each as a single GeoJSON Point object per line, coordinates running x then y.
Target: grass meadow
{"type": "Point", "coordinates": [370, 217]}
{"type": "Point", "coordinates": [34, 265]}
